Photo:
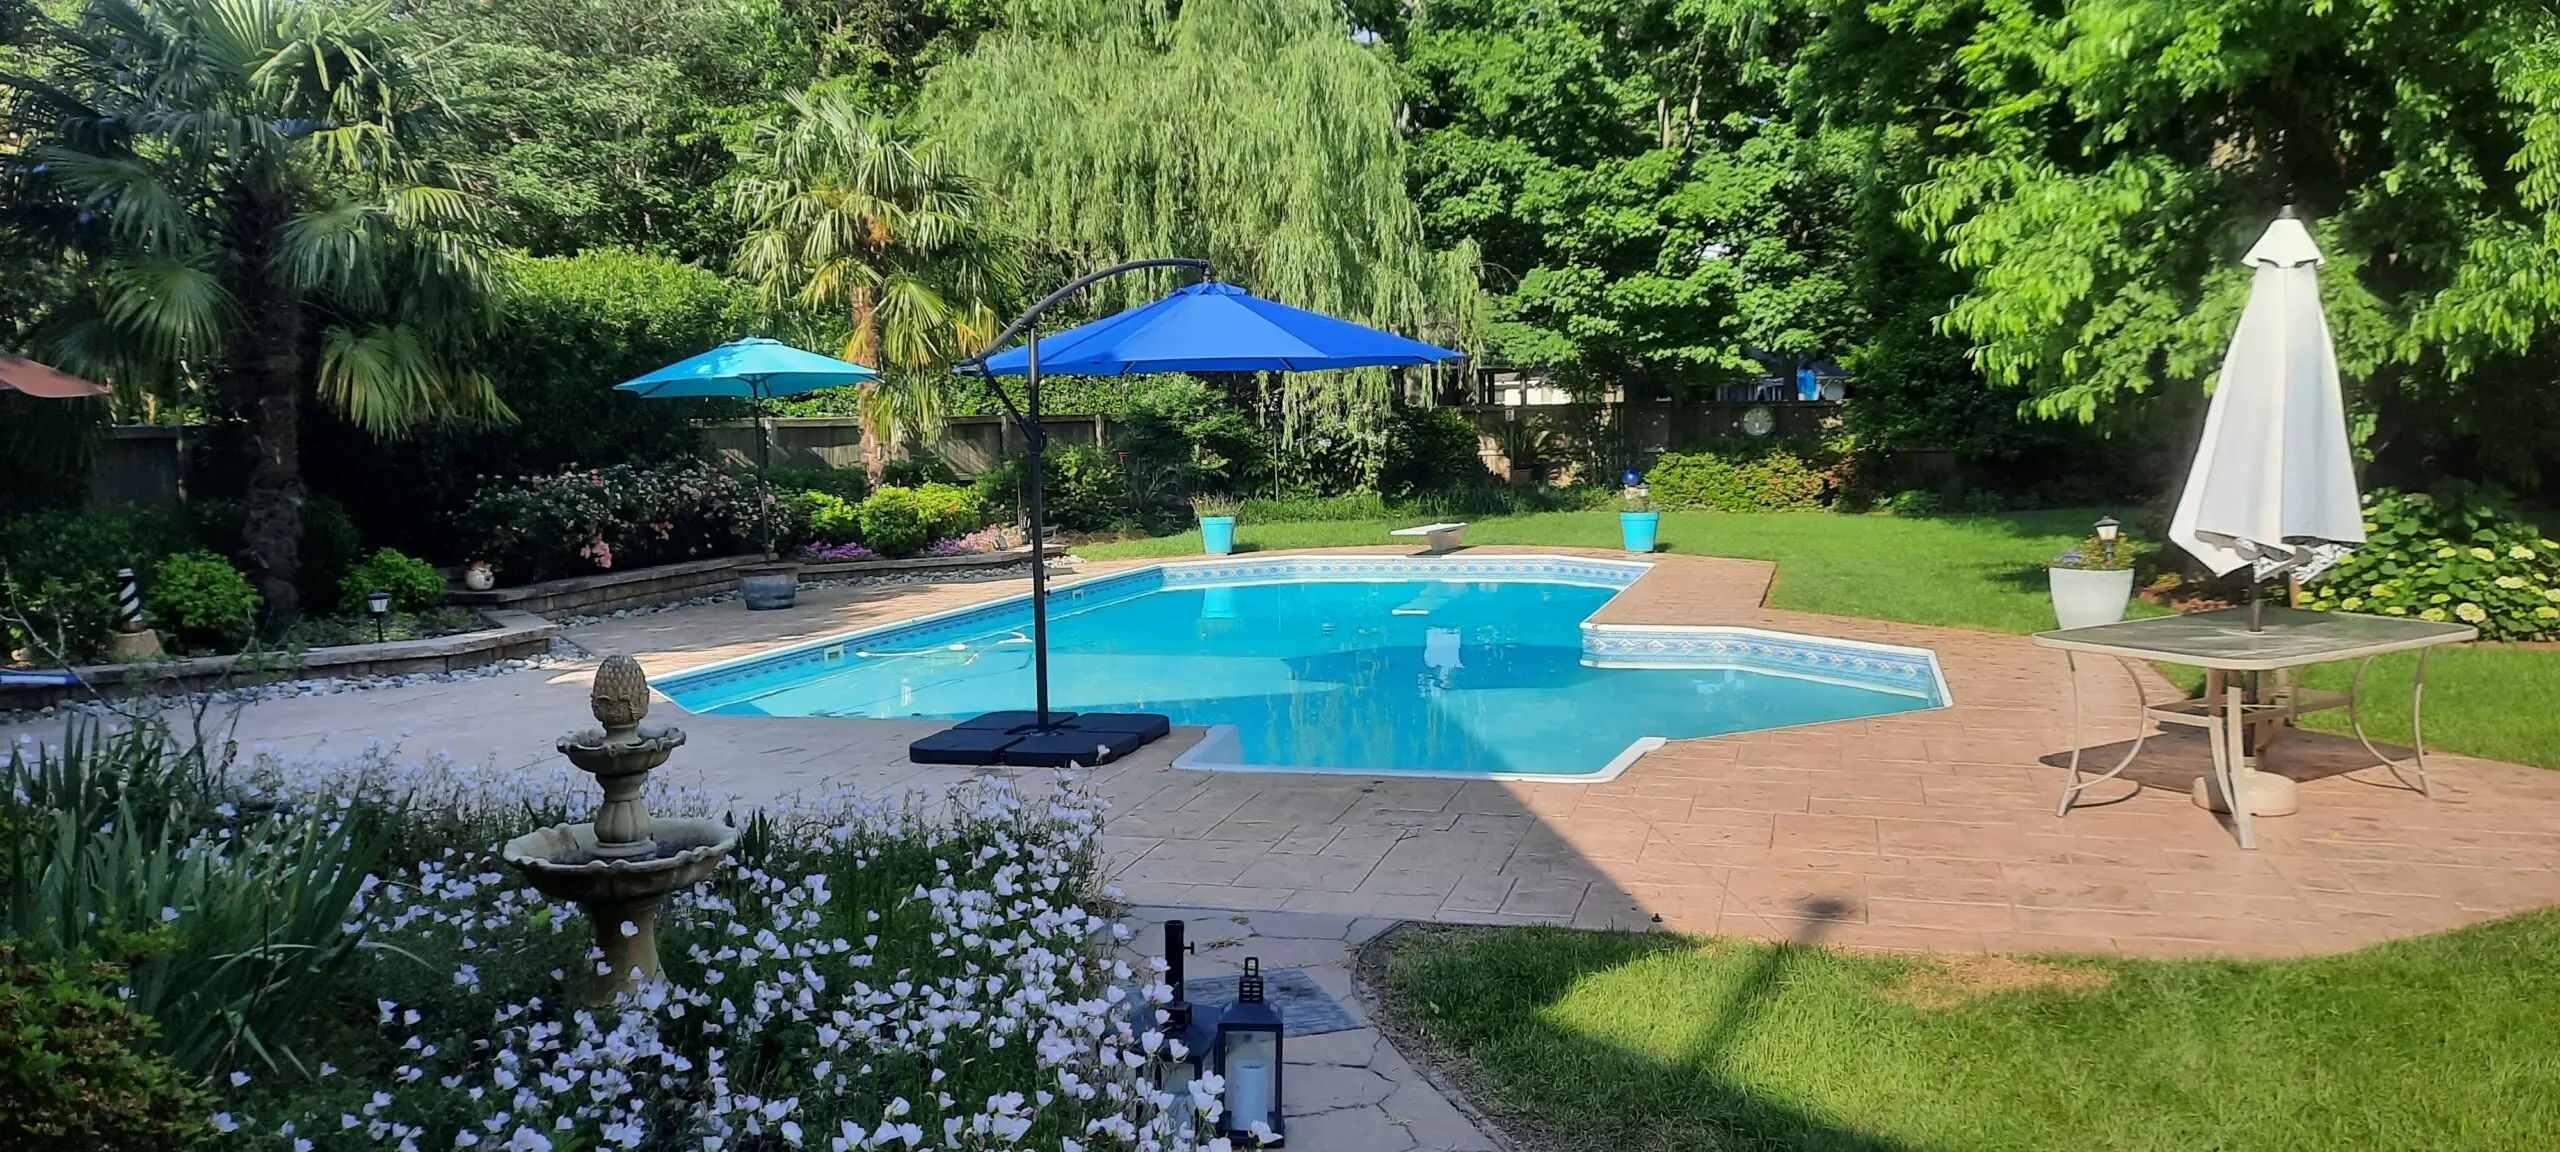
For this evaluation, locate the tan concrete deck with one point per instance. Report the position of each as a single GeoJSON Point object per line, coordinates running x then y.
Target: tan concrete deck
{"type": "Point", "coordinates": [1926, 830]}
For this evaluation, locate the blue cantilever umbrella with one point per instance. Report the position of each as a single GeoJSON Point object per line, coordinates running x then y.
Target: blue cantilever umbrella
{"type": "Point", "coordinates": [1206, 327]}
{"type": "Point", "coordinates": [1214, 327]}
{"type": "Point", "coordinates": [754, 369]}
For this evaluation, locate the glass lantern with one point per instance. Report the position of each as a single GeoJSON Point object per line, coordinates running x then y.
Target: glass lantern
{"type": "Point", "coordinates": [1249, 1058]}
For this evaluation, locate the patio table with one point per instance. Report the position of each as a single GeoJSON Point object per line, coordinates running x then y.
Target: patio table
{"type": "Point", "coordinates": [2235, 718]}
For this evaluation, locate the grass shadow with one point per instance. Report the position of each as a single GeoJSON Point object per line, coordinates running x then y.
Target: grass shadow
{"type": "Point", "coordinates": [1677, 1095]}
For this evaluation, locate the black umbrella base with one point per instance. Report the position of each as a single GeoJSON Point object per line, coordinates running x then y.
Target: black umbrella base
{"type": "Point", "coordinates": [1016, 739]}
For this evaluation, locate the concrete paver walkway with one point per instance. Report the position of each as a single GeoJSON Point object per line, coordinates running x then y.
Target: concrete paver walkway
{"type": "Point", "coordinates": [1922, 830]}
{"type": "Point", "coordinates": [1346, 1091]}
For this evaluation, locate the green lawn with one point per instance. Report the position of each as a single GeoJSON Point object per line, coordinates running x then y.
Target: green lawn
{"type": "Point", "coordinates": [1631, 1042]}
{"type": "Point", "coordinates": [1983, 572]}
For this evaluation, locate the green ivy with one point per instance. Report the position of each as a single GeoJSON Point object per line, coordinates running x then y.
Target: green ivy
{"type": "Point", "coordinates": [2450, 558]}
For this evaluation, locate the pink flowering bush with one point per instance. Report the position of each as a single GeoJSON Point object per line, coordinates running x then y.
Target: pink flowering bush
{"type": "Point", "coordinates": [910, 973]}
{"type": "Point", "coordinates": [996, 538]}
{"type": "Point", "coordinates": [591, 520]}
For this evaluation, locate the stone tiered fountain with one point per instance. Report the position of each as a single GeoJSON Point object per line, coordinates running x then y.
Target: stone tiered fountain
{"type": "Point", "coordinates": [621, 866]}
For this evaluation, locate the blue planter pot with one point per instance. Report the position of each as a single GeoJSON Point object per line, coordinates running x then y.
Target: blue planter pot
{"type": "Point", "coordinates": [1217, 535]}
{"type": "Point", "coordinates": [1639, 529]}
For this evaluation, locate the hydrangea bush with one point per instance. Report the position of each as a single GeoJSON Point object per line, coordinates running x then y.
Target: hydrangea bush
{"type": "Point", "coordinates": [2450, 558]}
{"type": "Point", "coordinates": [925, 973]}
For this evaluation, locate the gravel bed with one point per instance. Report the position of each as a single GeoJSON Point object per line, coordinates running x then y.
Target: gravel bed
{"type": "Point", "coordinates": [562, 653]}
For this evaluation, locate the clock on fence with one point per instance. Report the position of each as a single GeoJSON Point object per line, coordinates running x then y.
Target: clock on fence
{"type": "Point", "coordinates": [1759, 421]}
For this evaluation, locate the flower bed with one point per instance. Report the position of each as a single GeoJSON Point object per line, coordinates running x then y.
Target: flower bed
{"type": "Point", "coordinates": [864, 975]}
{"type": "Point", "coordinates": [532, 528]}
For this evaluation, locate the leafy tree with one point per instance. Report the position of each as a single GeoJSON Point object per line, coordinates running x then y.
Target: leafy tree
{"type": "Point", "coordinates": [847, 215]}
{"type": "Point", "coordinates": [262, 217]}
{"type": "Point", "coordinates": [608, 122]}
{"type": "Point", "coordinates": [1651, 209]}
{"type": "Point", "coordinates": [2098, 166]}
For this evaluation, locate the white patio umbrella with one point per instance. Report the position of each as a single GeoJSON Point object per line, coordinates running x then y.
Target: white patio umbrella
{"type": "Point", "coordinates": [2273, 487]}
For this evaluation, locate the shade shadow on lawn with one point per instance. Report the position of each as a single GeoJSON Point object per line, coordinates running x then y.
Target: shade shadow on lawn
{"type": "Point", "coordinates": [1626, 1042]}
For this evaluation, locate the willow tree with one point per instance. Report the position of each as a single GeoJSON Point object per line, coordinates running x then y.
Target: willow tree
{"type": "Point", "coordinates": [265, 222]}
{"type": "Point", "coordinates": [1258, 134]}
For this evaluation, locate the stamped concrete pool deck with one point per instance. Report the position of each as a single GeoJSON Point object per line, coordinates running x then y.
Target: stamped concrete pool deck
{"type": "Point", "coordinates": [1927, 830]}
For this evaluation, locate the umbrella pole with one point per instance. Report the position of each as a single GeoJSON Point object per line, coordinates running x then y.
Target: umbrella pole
{"type": "Point", "coordinates": [1039, 437]}
{"type": "Point", "coordinates": [764, 470]}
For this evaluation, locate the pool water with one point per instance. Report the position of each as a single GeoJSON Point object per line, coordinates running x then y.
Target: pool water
{"type": "Point", "coordinates": [1400, 674]}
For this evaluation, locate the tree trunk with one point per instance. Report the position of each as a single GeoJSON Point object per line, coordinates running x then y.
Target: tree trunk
{"type": "Point", "coordinates": [866, 335]}
{"type": "Point", "coordinates": [266, 371]}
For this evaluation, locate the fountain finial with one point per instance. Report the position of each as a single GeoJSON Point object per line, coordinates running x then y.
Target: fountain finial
{"type": "Point", "coordinates": [620, 698]}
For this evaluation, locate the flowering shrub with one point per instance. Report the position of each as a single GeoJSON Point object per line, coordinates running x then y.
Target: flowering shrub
{"type": "Point", "coordinates": [75, 1071]}
{"type": "Point", "coordinates": [997, 538]}
{"type": "Point", "coordinates": [837, 552]}
{"type": "Point", "coordinates": [2095, 555]}
{"type": "Point", "coordinates": [2454, 558]}
{"type": "Point", "coordinates": [865, 974]}
{"type": "Point", "coordinates": [538, 527]}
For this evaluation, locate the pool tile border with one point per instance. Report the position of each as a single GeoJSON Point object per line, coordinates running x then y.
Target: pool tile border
{"type": "Point", "coordinates": [1855, 663]}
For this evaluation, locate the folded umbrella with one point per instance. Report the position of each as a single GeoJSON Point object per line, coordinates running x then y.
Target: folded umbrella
{"type": "Point", "coordinates": [2273, 487]}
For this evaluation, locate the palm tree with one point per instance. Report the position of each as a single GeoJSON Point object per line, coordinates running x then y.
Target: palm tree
{"type": "Point", "coordinates": [262, 222]}
{"type": "Point", "coordinates": [846, 214]}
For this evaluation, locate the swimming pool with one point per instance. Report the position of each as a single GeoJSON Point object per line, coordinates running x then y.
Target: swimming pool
{"type": "Point", "coordinates": [1474, 666]}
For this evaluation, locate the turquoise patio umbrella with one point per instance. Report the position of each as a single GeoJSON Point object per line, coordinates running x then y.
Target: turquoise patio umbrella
{"type": "Point", "coordinates": [754, 369]}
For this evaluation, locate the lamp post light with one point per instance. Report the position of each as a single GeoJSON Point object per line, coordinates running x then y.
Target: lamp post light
{"type": "Point", "coordinates": [1249, 1058]}
{"type": "Point", "coordinates": [378, 602]}
{"type": "Point", "coordinates": [2107, 529]}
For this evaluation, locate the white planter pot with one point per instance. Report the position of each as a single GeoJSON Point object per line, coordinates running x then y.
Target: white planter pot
{"type": "Point", "coordinates": [2083, 599]}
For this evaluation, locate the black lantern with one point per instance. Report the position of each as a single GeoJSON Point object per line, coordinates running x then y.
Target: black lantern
{"type": "Point", "coordinates": [2107, 530]}
{"type": "Point", "coordinates": [378, 602]}
{"type": "Point", "coordinates": [1249, 1057]}
{"type": "Point", "coordinates": [1174, 1074]}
